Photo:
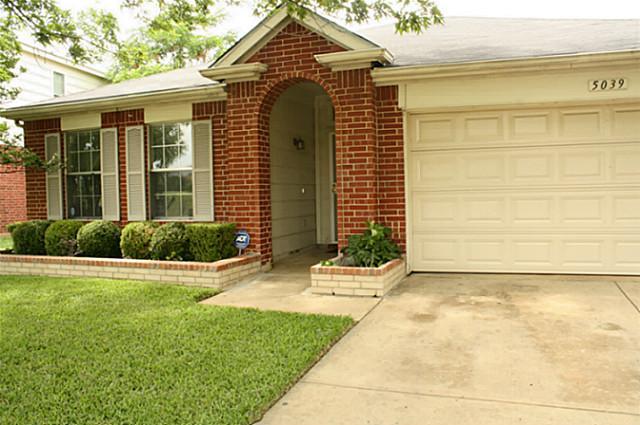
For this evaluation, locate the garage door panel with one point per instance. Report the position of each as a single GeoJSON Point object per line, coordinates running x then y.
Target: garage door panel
{"type": "Point", "coordinates": [626, 122]}
{"type": "Point", "coordinates": [559, 253]}
{"type": "Point", "coordinates": [534, 125]}
{"type": "Point", "coordinates": [484, 200]}
{"type": "Point", "coordinates": [550, 167]}
{"type": "Point", "coordinates": [625, 163]}
{"type": "Point", "coordinates": [581, 124]}
{"type": "Point", "coordinates": [512, 211]}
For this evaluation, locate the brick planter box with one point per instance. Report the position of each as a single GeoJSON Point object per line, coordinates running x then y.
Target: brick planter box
{"type": "Point", "coordinates": [219, 274]}
{"type": "Point", "coordinates": [358, 281]}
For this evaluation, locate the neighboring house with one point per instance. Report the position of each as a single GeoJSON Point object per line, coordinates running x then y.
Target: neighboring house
{"type": "Point", "coordinates": [487, 145]}
{"type": "Point", "coordinates": [47, 75]}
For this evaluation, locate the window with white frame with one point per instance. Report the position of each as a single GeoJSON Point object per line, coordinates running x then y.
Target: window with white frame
{"type": "Point", "coordinates": [171, 166]}
{"type": "Point", "coordinates": [58, 84]}
{"type": "Point", "coordinates": [84, 189]}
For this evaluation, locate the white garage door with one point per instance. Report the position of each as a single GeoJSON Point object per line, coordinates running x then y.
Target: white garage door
{"type": "Point", "coordinates": [528, 190]}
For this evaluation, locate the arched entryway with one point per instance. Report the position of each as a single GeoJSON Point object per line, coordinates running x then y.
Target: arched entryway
{"type": "Point", "coordinates": [302, 152]}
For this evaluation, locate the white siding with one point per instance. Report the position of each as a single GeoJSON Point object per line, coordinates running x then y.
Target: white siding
{"type": "Point", "coordinates": [292, 173]}
{"type": "Point", "coordinates": [36, 84]}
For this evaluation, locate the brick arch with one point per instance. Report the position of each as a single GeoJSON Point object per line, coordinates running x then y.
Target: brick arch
{"type": "Point", "coordinates": [271, 94]}
{"type": "Point", "coordinates": [290, 58]}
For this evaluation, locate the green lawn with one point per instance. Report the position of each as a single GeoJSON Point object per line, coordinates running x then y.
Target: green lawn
{"type": "Point", "coordinates": [94, 351]}
{"type": "Point", "coordinates": [5, 242]}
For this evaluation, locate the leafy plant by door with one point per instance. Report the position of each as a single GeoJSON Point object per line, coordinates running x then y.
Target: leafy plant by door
{"type": "Point", "coordinates": [373, 248]}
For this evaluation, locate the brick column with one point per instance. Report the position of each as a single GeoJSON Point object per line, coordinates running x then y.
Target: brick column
{"type": "Point", "coordinates": [356, 152]}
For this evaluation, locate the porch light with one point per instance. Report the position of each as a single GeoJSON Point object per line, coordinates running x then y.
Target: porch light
{"type": "Point", "coordinates": [298, 143]}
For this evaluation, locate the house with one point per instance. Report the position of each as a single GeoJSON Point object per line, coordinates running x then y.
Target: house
{"type": "Point", "coordinates": [47, 75]}
{"type": "Point", "coordinates": [487, 145]}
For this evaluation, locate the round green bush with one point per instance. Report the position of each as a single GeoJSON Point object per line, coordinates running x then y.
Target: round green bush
{"type": "Point", "coordinates": [61, 238]}
{"type": "Point", "coordinates": [28, 237]}
{"type": "Point", "coordinates": [136, 240]}
{"type": "Point", "coordinates": [99, 239]}
{"type": "Point", "coordinates": [170, 242]}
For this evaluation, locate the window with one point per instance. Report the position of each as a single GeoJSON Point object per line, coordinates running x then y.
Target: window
{"type": "Point", "coordinates": [84, 190]}
{"type": "Point", "coordinates": [171, 171]}
{"type": "Point", "coordinates": [58, 84]}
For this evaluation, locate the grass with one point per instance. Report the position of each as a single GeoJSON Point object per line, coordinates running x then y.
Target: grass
{"type": "Point", "coordinates": [5, 242]}
{"type": "Point", "coordinates": [94, 351]}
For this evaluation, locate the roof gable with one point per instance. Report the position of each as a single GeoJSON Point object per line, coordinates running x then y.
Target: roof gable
{"type": "Point", "coordinates": [262, 33]}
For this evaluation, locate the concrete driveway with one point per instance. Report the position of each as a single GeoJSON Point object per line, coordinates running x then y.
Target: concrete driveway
{"type": "Point", "coordinates": [482, 349]}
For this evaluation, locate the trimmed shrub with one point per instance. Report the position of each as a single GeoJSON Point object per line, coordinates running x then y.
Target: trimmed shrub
{"type": "Point", "coordinates": [135, 241]}
{"type": "Point", "coordinates": [211, 241]}
{"type": "Point", "coordinates": [61, 238]}
{"type": "Point", "coordinates": [99, 239]}
{"type": "Point", "coordinates": [169, 242]}
{"type": "Point", "coordinates": [28, 237]}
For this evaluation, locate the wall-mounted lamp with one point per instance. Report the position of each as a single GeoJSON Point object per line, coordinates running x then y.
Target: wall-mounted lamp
{"type": "Point", "coordinates": [298, 143]}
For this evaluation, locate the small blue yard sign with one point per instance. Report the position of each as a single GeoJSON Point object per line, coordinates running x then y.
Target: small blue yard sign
{"type": "Point", "coordinates": [242, 240]}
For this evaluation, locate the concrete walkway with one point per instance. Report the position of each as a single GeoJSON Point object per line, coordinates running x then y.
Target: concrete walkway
{"type": "Point", "coordinates": [285, 288]}
{"type": "Point", "coordinates": [482, 350]}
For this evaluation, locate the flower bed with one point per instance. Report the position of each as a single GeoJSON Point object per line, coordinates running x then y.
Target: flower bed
{"type": "Point", "coordinates": [219, 274]}
{"type": "Point", "coordinates": [358, 281]}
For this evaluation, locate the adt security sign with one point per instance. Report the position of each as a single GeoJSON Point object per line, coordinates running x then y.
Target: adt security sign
{"type": "Point", "coordinates": [242, 240]}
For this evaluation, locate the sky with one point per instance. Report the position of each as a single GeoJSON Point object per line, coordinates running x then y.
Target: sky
{"type": "Point", "coordinates": [241, 20]}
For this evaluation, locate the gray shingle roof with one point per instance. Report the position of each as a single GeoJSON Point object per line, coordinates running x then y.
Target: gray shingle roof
{"type": "Point", "coordinates": [459, 40]}
{"type": "Point", "coordinates": [462, 40]}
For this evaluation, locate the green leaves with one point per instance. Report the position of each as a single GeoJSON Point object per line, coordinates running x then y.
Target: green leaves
{"type": "Point", "coordinates": [409, 15]}
{"type": "Point", "coordinates": [373, 248]}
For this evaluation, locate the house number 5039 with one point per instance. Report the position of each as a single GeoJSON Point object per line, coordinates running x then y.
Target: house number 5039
{"type": "Point", "coordinates": [608, 84]}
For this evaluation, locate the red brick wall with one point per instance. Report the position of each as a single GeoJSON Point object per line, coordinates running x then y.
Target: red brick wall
{"type": "Point", "coordinates": [369, 136]}
{"type": "Point", "coordinates": [290, 59]}
{"type": "Point", "coordinates": [13, 200]}
{"type": "Point", "coordinates": [391, 195]}
{"type": "Point", "coordinates": [121, 120]}
{"type": "Point", "coordinates": [34, 132]}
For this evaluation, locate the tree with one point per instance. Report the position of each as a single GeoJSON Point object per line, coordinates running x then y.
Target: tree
{"type": "Point", "coordinates": [172, 34]}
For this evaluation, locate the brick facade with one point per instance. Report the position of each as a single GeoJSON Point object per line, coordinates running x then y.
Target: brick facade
{"type": "Point", "coordinates": [369, 142]}
{"type": "Point", "coordinates": [13, 201]}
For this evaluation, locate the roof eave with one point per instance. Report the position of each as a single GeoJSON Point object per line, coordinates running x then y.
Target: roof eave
{"type": "Point", "coordinates": [398, 74]}
{"type": "Point", "coordinates": [191, 94]}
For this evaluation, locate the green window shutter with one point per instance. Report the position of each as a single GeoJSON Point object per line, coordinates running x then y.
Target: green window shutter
{"type": "Point", "coordinates": [136, 195]}
{"type": "Point", "coordinates": [109, 174]}
{"type": "Point", "coordinates": [202, 171]}
{"type": "Point", "coordinates": [53, 177]}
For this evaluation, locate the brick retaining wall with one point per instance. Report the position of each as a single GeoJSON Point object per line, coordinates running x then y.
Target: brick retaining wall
{"type": "Point", "coordinates": [220, 274]}
{"type": "Point", "coordinates": [359, 281]}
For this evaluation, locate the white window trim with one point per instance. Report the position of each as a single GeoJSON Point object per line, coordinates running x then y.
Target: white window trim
{"type": "Point", "coordinates": [144, 172]}
{"type": "Point", "coordinates": [211, 171]}
{"type": "Point", "coordinates": [53, 83]}
{"type": "Point", "coordinates": [60, 176]}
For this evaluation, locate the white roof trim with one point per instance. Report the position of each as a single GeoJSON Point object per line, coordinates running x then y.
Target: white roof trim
{"type": "Point", "coordinates": [400, 74]}
{"type": "Point", "coordinates": [268, 28]}
{"type": "Point", "coordinates": [235, 73]}
{"type": "Point", "coordinates": [111, 103]}
{"type": "Point", "coordinates": [354, 59]}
